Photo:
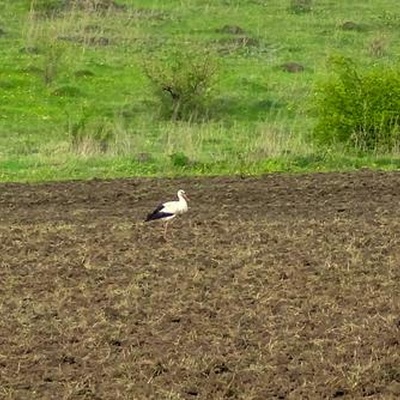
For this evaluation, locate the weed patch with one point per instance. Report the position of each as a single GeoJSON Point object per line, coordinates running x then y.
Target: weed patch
{"type": "Point", "coordinates": [300, 6]}
{"type": "Point", "coordinates": [90, 135]}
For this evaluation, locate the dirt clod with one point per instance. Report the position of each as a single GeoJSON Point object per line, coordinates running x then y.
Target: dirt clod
{"type": "Point", "coordinates": [231, 29]}
{"type": "Point", "coordinates": [292, 67]}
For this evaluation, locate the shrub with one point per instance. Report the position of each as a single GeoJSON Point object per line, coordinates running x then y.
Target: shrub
{"type": "Point", "coordinates": [182, 82]}
{"type": "Point", "coordinates": [359, 109]}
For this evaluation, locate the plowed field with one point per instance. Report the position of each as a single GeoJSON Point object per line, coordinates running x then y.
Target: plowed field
{"type": "Point", "coordinates": [280, 287]}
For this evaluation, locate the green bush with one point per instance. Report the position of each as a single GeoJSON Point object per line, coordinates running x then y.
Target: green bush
{"type": "Point", "coordinates": [183, 81]}
{"type": "Point", "coordinates": [358, 109]}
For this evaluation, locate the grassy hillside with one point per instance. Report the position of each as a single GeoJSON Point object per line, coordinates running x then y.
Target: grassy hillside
{"type": "Point", "coordinates": [76, 100]}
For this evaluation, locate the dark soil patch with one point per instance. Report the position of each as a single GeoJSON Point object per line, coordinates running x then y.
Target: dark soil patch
{"type": "Point", "coordinates": [292, 67]}
{"type": "Point", "coordinates": [352, 26]}
{"type": "Point", "coordinates": [237, 43]}
{"type": "Point", "coordinates": [30, 50]}
{"type": "Point", "coordinates": [58, 7]}
{"type": "Point", "coordinates": [87, 40]}
{"type": "Point", "coordinates": [84, 73]}
{"type": "Point", "coordinates": [95, 5]}
{"type": "Point", "coordinates": [301, 6]}
{"type": "Point", "coordinates": [231, 30]}
{"type": "Point", "coordinates": [278, 287]}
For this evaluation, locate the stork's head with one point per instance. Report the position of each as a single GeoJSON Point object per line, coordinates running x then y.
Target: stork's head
{"type": "Point", "coordinates": [181, 193]}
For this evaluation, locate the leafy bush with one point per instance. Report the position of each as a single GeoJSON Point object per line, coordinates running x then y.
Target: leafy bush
{"type": "Point", "coordinates": [359, 109]}
{"type": "Point", "coordinates": [182, 82]}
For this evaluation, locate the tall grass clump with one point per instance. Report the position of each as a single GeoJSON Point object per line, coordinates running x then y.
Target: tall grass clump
{"type": "Point", "coordinates": [183, 81]}
{"type": "Point", "coordinates": [359, 109]}
{"type": "Point", "coordinates": [300, 6]}
{"type": "Point", "coordinates": [47, 8]}
{"type": "Point", "coordinates": [53, 60]}
{"type": "Point", "coordinates": [89, 135]}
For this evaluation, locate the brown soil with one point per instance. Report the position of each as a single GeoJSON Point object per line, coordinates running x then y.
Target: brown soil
{"type": "Point", "coordinates": [283, 287]}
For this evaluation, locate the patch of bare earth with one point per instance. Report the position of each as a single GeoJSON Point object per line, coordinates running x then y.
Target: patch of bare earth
{"type": "Point", "coordinates": [283, 287]}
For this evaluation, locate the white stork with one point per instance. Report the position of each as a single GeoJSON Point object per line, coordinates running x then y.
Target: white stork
{"type": "Point", "coordinates": [169, 210]}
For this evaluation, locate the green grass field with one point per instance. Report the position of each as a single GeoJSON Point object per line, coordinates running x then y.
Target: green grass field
{"type": "Point", "coordinates": [75, 101]}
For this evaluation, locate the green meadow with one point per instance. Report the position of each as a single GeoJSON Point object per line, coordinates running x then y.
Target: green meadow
{"type": "Point", "coordinates": [89, 88]}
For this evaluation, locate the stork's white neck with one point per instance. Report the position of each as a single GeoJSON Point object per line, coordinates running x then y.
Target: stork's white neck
{"type": "Point", "coordinates": [181, 198]}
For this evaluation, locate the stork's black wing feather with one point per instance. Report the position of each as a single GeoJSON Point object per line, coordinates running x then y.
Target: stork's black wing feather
{"type": "Point", "coordinates": [158, 214]}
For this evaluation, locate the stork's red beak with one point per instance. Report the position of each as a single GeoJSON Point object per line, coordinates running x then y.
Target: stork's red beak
{"type": "Point", "coordinates": [186, 197]}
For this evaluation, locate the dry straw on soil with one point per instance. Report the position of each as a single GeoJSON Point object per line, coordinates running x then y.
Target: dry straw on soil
{"type": "Point", "coordinates": [281, 287]}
